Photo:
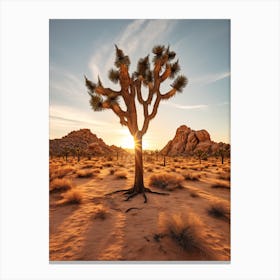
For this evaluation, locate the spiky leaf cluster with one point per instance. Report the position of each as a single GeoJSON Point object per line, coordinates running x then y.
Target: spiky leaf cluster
{"type": "Point", "coordinates": [96, 102]}
{"type": "Point", "coordinates": [175, 68]}
{"type": "Point", "coordinates": [149, 76]}
{"type": "Point", "coordinates": [121, 58]}
{"type": "Point", "coordinates": [179, 83]}
{"type": "Point", "coordinates": [114, 75]}
{"type": "Point", "coordinates": [143, 66]}
{"type": "Point", "coordinates": [90, 85]}
{"type": "Point", "coordinates": [112, 99]}
{"type": "Point", "coordinates": [158, 50]}
{"type": "Point", "coordinates": [143, 69]}
{"type": "Point", "coordinates": [171, 55]}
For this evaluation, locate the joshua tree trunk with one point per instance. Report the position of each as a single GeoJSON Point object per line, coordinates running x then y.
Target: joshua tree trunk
{"type": "Point", "coordinates": [138, 179]}
{"type": "Point", "coordinates": [131, 91]}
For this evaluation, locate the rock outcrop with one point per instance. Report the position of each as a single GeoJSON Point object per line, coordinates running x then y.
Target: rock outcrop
{"type": "Point", "coordinates": [188, 142]}
{"type": "Point", "coordinates": [84, 142]}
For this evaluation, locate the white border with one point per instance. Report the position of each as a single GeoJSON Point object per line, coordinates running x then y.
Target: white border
{"type": "Point", "coordinates": [254, 138]}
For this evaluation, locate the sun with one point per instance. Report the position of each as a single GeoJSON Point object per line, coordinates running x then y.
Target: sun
{"type": "Point", "coordinates": [128, 142]}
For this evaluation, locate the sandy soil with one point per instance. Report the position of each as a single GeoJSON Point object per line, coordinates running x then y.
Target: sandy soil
{"type": "Point", "coordinates": [105, 227]}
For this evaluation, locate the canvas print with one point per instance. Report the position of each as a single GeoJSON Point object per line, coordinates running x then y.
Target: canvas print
{"type": "Point", "coordinates": [139, 140]}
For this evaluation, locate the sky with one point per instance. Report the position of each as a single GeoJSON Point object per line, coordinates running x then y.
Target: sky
{"type": "Point", "coordinates": [86, 47]}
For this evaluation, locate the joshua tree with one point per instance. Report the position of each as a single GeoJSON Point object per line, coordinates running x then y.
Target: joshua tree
{"type": "Point", "coordinates": [78, 153]}
{"type": "Point", "coordinates": [66, 153]}
{"type": "Point", "coordinates": [222, 153]}
{"type": "Point", "coordinates": [131, 91]}
{"type": "Point", "coordinates": [156, 152]}
{"type": "Point", "coordinates": [199, 154]}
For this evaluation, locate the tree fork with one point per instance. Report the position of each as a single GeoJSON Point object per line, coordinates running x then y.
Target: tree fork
{"type": "Point", "coordinates": [105, 98]}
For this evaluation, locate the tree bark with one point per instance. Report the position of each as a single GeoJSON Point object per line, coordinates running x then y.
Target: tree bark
{"type": "Point", "coordinates": [138, 179]}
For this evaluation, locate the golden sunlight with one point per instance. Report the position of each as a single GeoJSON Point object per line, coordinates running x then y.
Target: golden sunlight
{"type": "Point", "coordinates": [127, 142]}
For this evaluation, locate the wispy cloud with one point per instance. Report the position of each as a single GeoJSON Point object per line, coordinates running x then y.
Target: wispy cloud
{"type": "Point", "coordinates": [186, 107]}
{"type": "Point", "coordinates": [138, 37]}
{"type": "Point", "coordinates": [141, 35]}
{"type": "Point", "coordinates": [70, 114]}
{"type": "Point", "coordinates": [65, 84]}
{"type": "Point", "coordinates": [208, 78]}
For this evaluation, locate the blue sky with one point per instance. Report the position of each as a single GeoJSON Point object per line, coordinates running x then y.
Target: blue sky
{"type": "Point", "coordinates": [79, 47]}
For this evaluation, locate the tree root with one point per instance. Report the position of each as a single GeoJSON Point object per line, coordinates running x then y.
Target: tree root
{"type": "Point", "coordinates": [132, 208]}
{"type": "Point", "coordinates": [130, 193]}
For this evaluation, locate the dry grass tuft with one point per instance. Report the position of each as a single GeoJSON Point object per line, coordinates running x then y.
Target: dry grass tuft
{"type": "Point", "coordinates": [191, 177]}
{"type": "Point", "coordinates": [101, 214]}
{"type": "Point", "coordinates": [112, 171]}
{"type": "Point", "coordinates": [85, 173]}
{"type": "Point", "coordinates": [60, 185]}
{"type": "Point", "coordinates": [224, 176]}
{"type": "Point", "coordinates": [121, 174]}
{"type": "Point", "coordinates": [187, 232]}
{"type": "Point", "coordinates": [96, 170]}
{"type": "Point", "coordinates": [61, 172]}
{"type": "Point", "coordinates": [108, 164]}
{"type": "Point", "coordinates": [87, 166]}
{"type": "Point", "coordinates": [166, 181]}
{"type": "Point", "coordinates": [194, 194]}
{"type": "Point", "coordinates": [219, 209]}
{"type": "Point", "coordinates": [71, 197]}
{"type": "Point", "coordinates": [220, 186]}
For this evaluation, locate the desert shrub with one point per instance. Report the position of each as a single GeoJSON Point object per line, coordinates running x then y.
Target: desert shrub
{"type": "Point", "coordinates": [108, 164]}
{"type": "Point", "coordinates": [85, 173]}
{"type": "Point", "coordinates": [101, 214]}
{"type": "Point", "coordinates": [96, 170]}
{"type": "Point", "coordinates": [87, 166]}
{"type": "Point", "coordinates": [220, 186]}
{"type": "Point", "coordinates": [219, 209]}
{"type": "Point", "coordinates": [60, 185]}
{"type": "Point", "coordinates": [149, 169]}
{"type": "Point", "coordinates": [111, 171]}
{"type": "Point", "coordinates": [166, 181]}
{"type": "Point", "coordinates": [224, 176]}
{"type": "Point", "coordinates": [191, 177]}
{"type": "Point", "coordinates": [226, 169]}
{"type": "Point", "coordinates": [195, 168]}
{"type": "Point", "coordinates": [187, 232]}
{"type": "Point", "coordinates": [194, 194]}
{"type": "Point", "coordinates": [60, 173]}
{"type": "Point", "coordinates": [121, 174]}
{"type": "Point", "coordinates": [71, 197]}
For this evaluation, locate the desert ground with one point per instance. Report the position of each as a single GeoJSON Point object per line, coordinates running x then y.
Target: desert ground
{"type": "Point", "coordinates": [90, 223]}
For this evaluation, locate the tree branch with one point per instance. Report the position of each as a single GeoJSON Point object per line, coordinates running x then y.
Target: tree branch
{"type": "Point", "coordinates": [169, 94]}
{"type": "Point", "coordinates": [148, 117]}
{"type": "Point", "coordinates": [166, 73]}
{"type": "Point", "coordinates": [138, 91]}
{"type": "Point", "coordinates": [120, 113]}
{"type": "Point", "coordinates": [106, 91]}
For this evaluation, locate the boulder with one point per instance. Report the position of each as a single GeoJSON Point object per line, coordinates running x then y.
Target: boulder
{"type": "Point", "coordinates": [187, 142]}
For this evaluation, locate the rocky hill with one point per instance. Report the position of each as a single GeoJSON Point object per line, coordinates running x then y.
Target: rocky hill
{"type": "Point", "coordinates": [83, 141]}
{"type": "Point", "coordinates": [188, 142]}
